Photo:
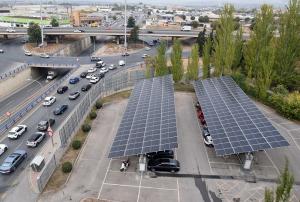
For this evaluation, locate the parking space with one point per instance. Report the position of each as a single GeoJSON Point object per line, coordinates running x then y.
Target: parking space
{"type": "Point", "coordinates": [100, 177]}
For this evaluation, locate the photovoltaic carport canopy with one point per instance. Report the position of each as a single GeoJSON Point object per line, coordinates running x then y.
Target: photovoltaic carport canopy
{"type": "Point", "coordinates": [235, 123]}
{"type": "Point", "coordinates": [149, 122]}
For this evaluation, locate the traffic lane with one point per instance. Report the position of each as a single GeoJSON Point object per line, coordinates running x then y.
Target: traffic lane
{"type": "Point", "coordinates": [13, 46]}
{"type": "Point", "coordinates": [39, 114]}
{"type": "Point", "coordinates": [20, 96]}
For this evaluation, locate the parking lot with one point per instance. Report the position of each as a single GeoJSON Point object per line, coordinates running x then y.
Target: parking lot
{"type": "Point", "coordinates": [96, 176]}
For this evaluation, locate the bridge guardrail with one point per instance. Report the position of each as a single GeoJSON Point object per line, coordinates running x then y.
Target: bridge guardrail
{"type": "Point", "coordinates": [10, 121]}
{"type": "Point", "coordinates": [13, 72]}
{"type": "Point", "coordinates": [53, 65]}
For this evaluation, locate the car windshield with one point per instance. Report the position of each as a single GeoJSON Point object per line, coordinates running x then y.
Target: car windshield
{"type": "Point", "coordinates": [6, 164]}
{"type": "Point", "coordinates": [10, 132]}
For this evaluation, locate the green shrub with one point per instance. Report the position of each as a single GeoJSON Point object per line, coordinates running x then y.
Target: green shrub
{"type": "Point", "coordinates": [93, 115]}
{"type": "Point", "coordinates": [67, 167]}
{"type": "Point", "coordinates": [98, 104]}
{"type": "Point", "coordinates": [280, 89]}
{"type": "Point", "coordinates": [86, 127]}
{"type": "Point", "coordinates": [76, 144]}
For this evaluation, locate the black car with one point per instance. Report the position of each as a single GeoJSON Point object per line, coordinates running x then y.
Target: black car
{"type": "Point", "coordinates": [149, 32]}
{"type": "Point", "coordinates": [60, 110]}
{"type": "Point", "coordinates": [100, 75]}
{"type": "Point", "coordinates": [161, 154]}
{"type": "Point", "coordinates": [95, 58]}
{"type": "Point", "coordinates": [83, 74]}
{"type": "Point", "coordinates": [43, 125]}
{"type": "Point", "coordinates": [35, 139]}
{"type": "Point", "coordinates": [164, 164]}
{"type": "Point", "coordinates": [62, 89]}
{"type": "Point", "coordinates": [86, 87]}
{"type": "Point", "coordinates": [125, 54]}
{"type": "Point", "coordinates": [74, 95]}
{"type": "Point", "coordinates": [11, 162]}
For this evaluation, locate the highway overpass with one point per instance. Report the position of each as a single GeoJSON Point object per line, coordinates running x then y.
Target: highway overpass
{"type": "Point", "coordinates": [88, 31]}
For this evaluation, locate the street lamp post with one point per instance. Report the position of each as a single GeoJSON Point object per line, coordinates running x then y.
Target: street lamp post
{"type": "Point", "coordinates": [42, 30]}
{"type": "Point", "coordinates": [125, 32]}
{"type": "Point", "coordinates": [48, 118]}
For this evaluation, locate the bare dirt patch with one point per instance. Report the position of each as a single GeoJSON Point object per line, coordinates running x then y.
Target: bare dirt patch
{"type": "Point", "coordinates": [111, 49]}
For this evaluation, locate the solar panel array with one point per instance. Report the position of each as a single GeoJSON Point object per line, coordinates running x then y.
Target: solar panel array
{"type": "Point", "coordinates": [235, 123]}
{"type": "Point", "coordinates": [149, 121]}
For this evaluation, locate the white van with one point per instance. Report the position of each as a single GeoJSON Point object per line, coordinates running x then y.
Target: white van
{"type": "Point", "coordinates": [121, 63]}
{"type": "Point", "coordinates": [186, 28]}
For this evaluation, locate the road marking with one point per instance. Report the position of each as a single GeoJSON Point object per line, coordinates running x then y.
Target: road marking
{"type": "Point", "coordinates": [136, 186]}
{"type": "Point", "coordinates": [104, 179]}
{"type": "Point", "coordinates": [178, 195]}
{"type": "Point", "coordinates": [138, 196]}
{"type": "Point", "coordinates": [278, 172]}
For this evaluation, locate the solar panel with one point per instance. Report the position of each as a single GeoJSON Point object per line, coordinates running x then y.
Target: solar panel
{"type": "Point", "coordinates": [235, 123]}
{"type": "Point", "coordinates": [149, 121]}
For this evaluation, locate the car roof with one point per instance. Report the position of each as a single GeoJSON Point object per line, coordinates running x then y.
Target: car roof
{"type": "Point", "coordinates": [43, 122]}
{"type": "Point", "coordinates": [14, 129]}
{"type": "Point", "coordinates": [34, 135]}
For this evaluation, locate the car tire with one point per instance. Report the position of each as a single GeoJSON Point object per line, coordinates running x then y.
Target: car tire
{"type": "Point", "coordinates": [153, 169]}
{"type": "Point", "coordinates": [5, 149]}
{"type": "Point", "coordinates": [13, 169]}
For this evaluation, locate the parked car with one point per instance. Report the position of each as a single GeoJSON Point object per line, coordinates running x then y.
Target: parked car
{"type": "Point", "coordinates": [74, 80]}
{"type": "Point", "coordinates": [207, 137]}
{"type": "Point", "coordinates": [94, 80]}
{"type": "Point", "coordinates": [103, 70]}
{"type": "Point", "coordinates": [92, 69]}
{"type": "Point", "coordinates": [125, 54]}
{"type": "Point", "coordinates": [74, 95]}
{"type": "Point", "coordinates": [24, 41]}
{"type": "Point", "coordinates": [17, 131]}
{"type": "Point", "coordinates": [44, 124]}
{"type": "Point", "coordinates": [112, 66]}
{"type": "Point", "coordinates": [28, 53]}
{"type": "Point", "coordinates": [145, 55]}
{"type": "Point", "coordinates": [161, 154]}
{"type": "Point", "coordinates": [60, 110]}
{"type": "Point", "coordinates": [100, 75]}
{"type": "Point", "coordinates": [90, 76]}
{"type": "Point", "coordinates": [164, 164]}
{"type": "Point", "coordinates": [78, 30]}
{"type": "Point", "coordinates": [100, 64]}
{"type": "Point", "coordinates": [1, 51]}
{"type": "Point", "coordinates": [10, 30]}
{"type": "Point", "coordinates": [11, 162]}
{"type": "Point", "coordinates": [121, 63]}
{"type": "Point", "coordinates": [3, 148]}
{"type": "Point", "coordinates": [62, 89]}
{"type": "Point", "coordinates": [83, 74]}
{"type": "Point", "coordinates": [95, 58]}
{"type": "Point", "coordinates": [86, 87]}
{"type": "Point", "coordinates": [44, 55]}
{"type": "Point", "coordinates": [48, 101]}
{"type": "Point", "coordinates": [35, 139]}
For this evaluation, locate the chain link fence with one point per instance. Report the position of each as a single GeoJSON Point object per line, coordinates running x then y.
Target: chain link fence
{"type": "Point", "coordinates": [119, 81]}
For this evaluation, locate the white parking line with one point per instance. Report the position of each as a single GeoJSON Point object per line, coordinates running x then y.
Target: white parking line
{"type": "Point", "coordinates": [117, 171]}
{"type": "Point", "coordinates": [104, 179]}
{"type": "Point", "coordinates": [138, 186]}
{"type": "Point", "coordinates": [138, 196]}
{"type": "Point", "coordinates": [278, 172]}
{"type": "Point", "coordinates": [178, 194]}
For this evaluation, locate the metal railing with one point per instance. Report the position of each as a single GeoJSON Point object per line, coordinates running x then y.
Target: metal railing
{"type": "Point", "coordinates": [13, 72]}
{"type": "Point", "coordinates": [52, 65]}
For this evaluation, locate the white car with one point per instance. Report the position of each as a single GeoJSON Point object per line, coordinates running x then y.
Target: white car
{"type": "Point", "coordinates": [147, 48]}
{"type": "Point", "coordinates": [92, 69]}
{"type": "Point", "coordinates": [3, 148]}
{"type": "Point", "coordinates": [17, 131]}
{"type": "Point", "coordinates": [1, 51]}
{"type": "Point", "coordinates": [44, 55]}
{"type": "Point", "coordinates": [112, 66]}
{"type": "Point", "coordinates": [89, 76]}
{"type": "Point", "coordinates": [94, 79]}
{"type": "Point", "coordinates": [207, 138]}
{"type": "Point", "coordinates": [103, 70]}
{"type": "Point", "coordinates": [121, 63]}
{"type": "Point", "coordinates": [78, 31]}
{"type": "Point", "coordinates": [48, 101]}
{"type": "Point", "coordinates": [10, 30]}
{"type": "Point", "coordinates": [28, 53]}
{"type": "Point", "coordinates": [145, 55]}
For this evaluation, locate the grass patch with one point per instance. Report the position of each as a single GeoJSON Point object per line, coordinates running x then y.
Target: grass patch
{"type": "Point", "coordinates": [118, 96]}
{"type": "Point", "coordinates": [184, 87]}
{"type": "Point", "coordinates": [28, 20]}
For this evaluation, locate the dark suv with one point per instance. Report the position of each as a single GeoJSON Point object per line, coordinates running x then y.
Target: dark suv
{"type": "Point", "coordinates": [161, 154]}
{"type": "Point", "coordinates": [60, 110]}
{"type": "Point", "coordinates": [86, 87]}
{"type": "Point", "coordinates": [43, 125]}
{"type": "Point", "coordinates": [164, 164]}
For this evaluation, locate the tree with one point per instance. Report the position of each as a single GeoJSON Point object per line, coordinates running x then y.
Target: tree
{"type": "Point", "coordinates": [224, 44]}
{"type": "Point", "coordinates": [130, 22]}
{"type": "Point", "coordinates": [238, 51]}
{"type": "Point", "coordinates": [114, 17]}
{"type": "Point", "coordinates": [134, 34]}
{"type": "Point", "coordinates": [150, 66]}
{"type": "Point", "coordinates": [177, 69]}
{"type": "Point", "coordinates": [161, 61]}
{"type": "Point", "coordinates": [195, 24]}
{"type": "Point", "coordinates": [54, 22]}
{"type": "Point", "coordinates": [34, 33]}
{"type": "Point", "coordinates": [193, 69]}
{"type": "Point", "coordinates": [203, 19]}
{"type": "Point", "coordinates": [287, 47]}
{"type": "Point", "coordinates": [260, 51]}
{"type": "Point", "coordinates": [206, 59]}
{"type": "Point", "coordinates": [284, 187]}
{"type": "Point", "coordinates": [201, 41]}
{"type": "Point", "coordinates": [192, 17]}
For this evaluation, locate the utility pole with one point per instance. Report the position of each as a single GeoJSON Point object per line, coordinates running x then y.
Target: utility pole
{"type": "Point", "coordinates": [42, 34]}
{"type": "Point", "coordinates": [125, 26]}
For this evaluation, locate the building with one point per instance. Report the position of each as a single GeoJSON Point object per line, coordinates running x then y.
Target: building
{"type": "Point", "coordinates": [82, 19]}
